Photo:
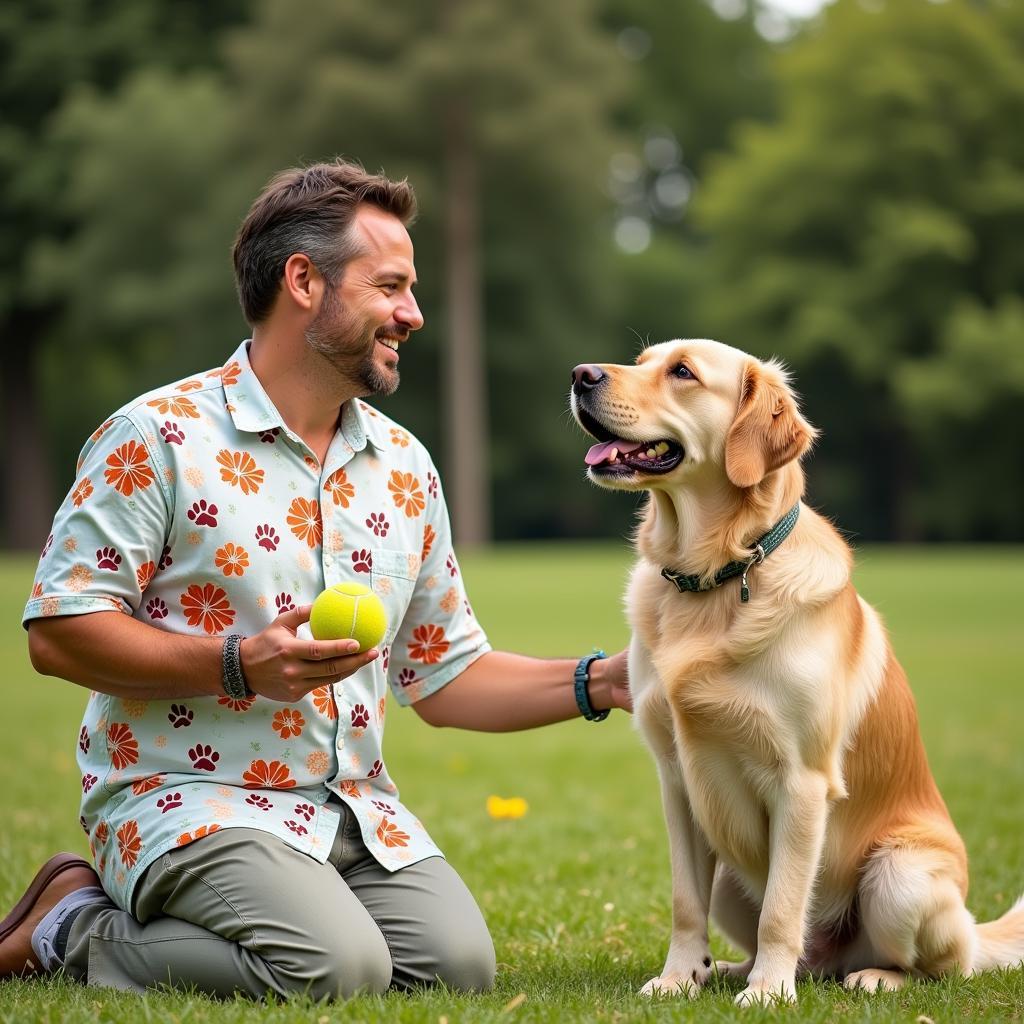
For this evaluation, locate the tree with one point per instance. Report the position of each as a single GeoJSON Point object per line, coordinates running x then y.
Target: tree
{"type": "Point", "coordinates": [868, 233]}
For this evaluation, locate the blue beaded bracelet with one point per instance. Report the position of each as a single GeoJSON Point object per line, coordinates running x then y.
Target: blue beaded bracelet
{"type": "Point", "coordinates": [580, 678]}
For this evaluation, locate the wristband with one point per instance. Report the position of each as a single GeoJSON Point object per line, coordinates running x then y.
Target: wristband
{"type": "Point", "coordinates": [232, 676]}
{"type": "Point", "coordinates": [581, 677]}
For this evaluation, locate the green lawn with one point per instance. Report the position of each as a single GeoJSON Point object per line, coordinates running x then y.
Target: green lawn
{"type": "Point", "coordinates": [577, 892]}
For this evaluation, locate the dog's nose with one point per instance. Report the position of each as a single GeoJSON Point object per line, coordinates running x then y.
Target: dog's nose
{"type": "Point", "coordinates": [586, 377]}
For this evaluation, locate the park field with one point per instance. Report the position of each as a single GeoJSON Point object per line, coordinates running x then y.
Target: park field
{"type": "Point", "coordinates": [576, 892]}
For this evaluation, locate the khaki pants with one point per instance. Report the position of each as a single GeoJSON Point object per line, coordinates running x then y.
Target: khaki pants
{"type": "Point", "coordinates": [241, 911]}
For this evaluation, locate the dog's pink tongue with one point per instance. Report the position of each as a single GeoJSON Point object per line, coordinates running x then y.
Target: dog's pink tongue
{"type": "Point", "coordinates": [599, 452]}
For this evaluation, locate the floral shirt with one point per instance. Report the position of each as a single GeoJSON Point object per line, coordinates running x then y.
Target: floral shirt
{"type": "Point", "coordinates": [196, 510]}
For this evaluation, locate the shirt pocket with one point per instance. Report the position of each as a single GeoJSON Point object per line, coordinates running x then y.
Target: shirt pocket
{"type": "Point", "coordinates": [393, 575]}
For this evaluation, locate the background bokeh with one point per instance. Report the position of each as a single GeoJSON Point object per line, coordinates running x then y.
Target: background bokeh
{"type": "Point", "coordinates": [845, 192]}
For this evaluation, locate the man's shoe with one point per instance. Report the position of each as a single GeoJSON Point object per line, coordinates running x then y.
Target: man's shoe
{"type": "Point", "coordinates": [58, 877]}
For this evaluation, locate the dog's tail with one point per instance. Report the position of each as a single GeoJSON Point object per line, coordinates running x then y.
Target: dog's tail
{"type": "Point", "coordinates": [1001, 942]}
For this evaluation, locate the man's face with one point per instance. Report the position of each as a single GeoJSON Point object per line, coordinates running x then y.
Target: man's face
{"type": "Point", "coordinates": [362, 321]}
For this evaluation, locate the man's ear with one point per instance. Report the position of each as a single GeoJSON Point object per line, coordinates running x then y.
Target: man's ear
{"type": "Point", "coordinates": [768, 430]}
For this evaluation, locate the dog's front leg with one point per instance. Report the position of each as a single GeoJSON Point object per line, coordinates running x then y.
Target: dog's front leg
{"type": "Point", "coordinates": [688, 963]}
{"type": "Point", "coordinates": [796, 835]}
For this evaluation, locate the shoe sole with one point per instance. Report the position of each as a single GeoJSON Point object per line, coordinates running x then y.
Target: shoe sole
{"type": "Point", "coordinates": [53, 868]}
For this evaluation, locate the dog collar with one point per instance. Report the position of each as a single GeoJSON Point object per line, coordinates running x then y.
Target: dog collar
{"type": "Point", "coordinates": [762, 549]}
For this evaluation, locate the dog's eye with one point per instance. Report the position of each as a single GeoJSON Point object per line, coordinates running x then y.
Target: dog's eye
{"type": "Point", "coordinates": [683, 372]}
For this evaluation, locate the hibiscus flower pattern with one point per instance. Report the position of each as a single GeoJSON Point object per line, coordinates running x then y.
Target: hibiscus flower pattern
{"type": "Point", "coordinates": [239, 528]}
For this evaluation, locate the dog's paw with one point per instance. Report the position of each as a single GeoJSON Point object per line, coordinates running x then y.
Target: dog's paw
{"type": "Point", "coordinates": [679, 982]}
{"type": "Point", "coordinates": [768, 991]}
{"type": "Point", "coordinates": [873, 979]}
{"type": "Point", "coordinates": [731, 969]}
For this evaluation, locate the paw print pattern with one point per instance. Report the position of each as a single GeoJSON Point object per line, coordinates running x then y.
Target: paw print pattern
{"type": "Point", "coordinates": [406, 677]}
{"type": "Point", "coordinates": [431, 484]}
{"type": "Point", "coordinates": [360, 717]}
{"type": "Point", "coordinates": [385, 657]}
{"type": "Point", "coordinates": [453, 569]}
{"type": "Point", "coordinates": [88, 781]}
{"type": "Point", "coordinates": [107, 558]}
{"type": "Point", "coordinates": [169, 802]}
{"type": "Point", "coordinates": [305, 810]}
{"type": "Point", "coordinates": [156, 608]}
{"type": "Point", "coordinates": [381, 806]}
{"type": "Point", "coordinates": [284, 603]}
{"type": "Point", "coordinates": [165, 558]}
{"type": "Point", "coordinates": [83, 740]}
{"type": "Point", "coordinates": [46, 547]}
{"type": "Point", "coordinates": [267, 537]}
{"type": "Point", "coordinates": [362, 560]}
{"type": "Point", "coordinates": [269, 436]}
{"type": "Point", "coordinates": [172, 433]}
{"type": "Point", "coordinates": [180, 716]}
{"type": "Point", "coordinates": [378, 523]}
{"type": "Point", "coordinates": [81, 821]}
{"type": "Point", "coordinates": [203, 513]}
{"type": "Point", "coordinates": [299, 830]}
{"type": "Point", "coordinates": [378, 767]}
{"type": "Point", "coordinates": [203, 757]}
{"type": "Point", "coordinates": [259, 802]}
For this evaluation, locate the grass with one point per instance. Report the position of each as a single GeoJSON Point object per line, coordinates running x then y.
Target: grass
{"type": "Point", "coordinates": [577, 892]}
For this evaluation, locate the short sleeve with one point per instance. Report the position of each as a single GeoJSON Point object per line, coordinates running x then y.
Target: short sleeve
{"type": "Point", "coordinates": [439, 637]}
{"type": "Point", "coordinates": [108, 535]}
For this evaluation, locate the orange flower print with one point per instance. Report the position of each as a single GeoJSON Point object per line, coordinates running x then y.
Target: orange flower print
{"type": "Point", "coordinates": [399, 437]}
{"type": "Point", "coordinates": [288, 722]}
{"type": "Point", "coordinates": [82, 491]}
{"type": "Point", "coordinates": [429, 536]}
{"type": "Point", "coordinates": [232, 560]}
{"type": "Point", "coordinates": [190, 837]}
{"type": "Point", "coordinates": [237, 705]}
{"type": "Point", "coordinates": [429, 644]}
{"type": "Point", "coordinates": [37, 590]}
{"type": "Point", "coordinates": [318, 762]}
{"type": "Point", "coordinates": [145, 573]}
{"type": "Point", "coordinates": [304, 521]}
{"type": "Point", "coordinates": [323, 701]}
{"type": "Point", "coordinates": [405, 490]}
{"type": "Point", "coordinates": [80, 578]}
{"type": "Point", "coordinates": [122, 746]}
{"type": "Point", "coordinates": [338, 487]}
{"type": "Point", "coordinates": [239, 470]}
{"type": "Point", "coordinates": [350, 789]}
{"type": "Point", "coordinates": [100, 430]}
{"type": "Point", "coordinates": [129, 843]}
{"type": "Point", "coordinates": [261, 775]}
{"type": "Point", "coordinates": [102, 833]}
{"type": "Point", "coordinates": [207, 605]}
{"type": "Point", "coordinates": [231, 373]}
{"type": "Point", "coordinates": [175, 406]}
{"type": "Point", "coordinates": [148, 784]}
{"type": "Point", "coordinates": [190, 385]}
{"type": "Point", "coordinates": [391, 835]}
{"type": "Point", "coordinates": [129, 469]}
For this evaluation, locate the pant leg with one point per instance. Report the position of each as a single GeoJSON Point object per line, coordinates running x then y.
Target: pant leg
{"type": "Point", "coordinates": [432, 924]}
{"type": "Point", "coordinates": [236, 911]}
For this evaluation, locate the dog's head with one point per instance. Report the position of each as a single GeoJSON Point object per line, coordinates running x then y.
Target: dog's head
{"type": "Point", "coordinates": [688, 409]}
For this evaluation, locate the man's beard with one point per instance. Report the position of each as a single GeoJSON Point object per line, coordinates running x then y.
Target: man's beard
{"type": "Point", "coordinates": [349, 344]}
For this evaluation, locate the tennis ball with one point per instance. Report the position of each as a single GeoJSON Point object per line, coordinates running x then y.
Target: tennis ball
{"type": "Point", "coordinates": [349, 610]}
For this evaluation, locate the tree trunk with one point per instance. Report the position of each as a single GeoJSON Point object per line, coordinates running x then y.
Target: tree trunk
{"type": "Point", "coordinates": [27, 475]}
{"type": "Point", "coordinates": [465, 397]}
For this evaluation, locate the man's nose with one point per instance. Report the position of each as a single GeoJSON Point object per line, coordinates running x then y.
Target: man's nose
{"type": "Point", "coordinates": [586, 377]}
{"type": "Point", "coordinates": [409, 314]}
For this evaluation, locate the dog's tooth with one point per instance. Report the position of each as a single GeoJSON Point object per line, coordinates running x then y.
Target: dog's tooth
{"type": "Point", "coordinates": [651, 453]}
{"type": "Point", "coordinates": [642, 456]}
{"type": "Point", "coordinates": [661, 448]}
{"type": "Point", "coordinates": [613, 454]}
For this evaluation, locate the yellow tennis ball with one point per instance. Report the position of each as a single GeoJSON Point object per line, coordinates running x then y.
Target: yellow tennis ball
{"type": "Point", "coordinates": [349, 610]}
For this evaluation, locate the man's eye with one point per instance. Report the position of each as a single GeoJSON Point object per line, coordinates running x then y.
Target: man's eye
{"type": "Point", "coordinates": [683, 371]}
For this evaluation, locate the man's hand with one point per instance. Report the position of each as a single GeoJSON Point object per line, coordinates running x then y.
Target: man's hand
{"type": "Point", "coordinates": [609, 682]}
{"type": "Point", "coordinates": [281, 666]}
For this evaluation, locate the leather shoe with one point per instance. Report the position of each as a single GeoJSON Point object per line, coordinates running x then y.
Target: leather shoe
{"type": "Point", "coordinates": [60, 875]}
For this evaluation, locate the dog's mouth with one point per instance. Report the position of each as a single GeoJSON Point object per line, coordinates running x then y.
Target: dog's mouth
{"type": "Point", "coordinates": [619, 456]}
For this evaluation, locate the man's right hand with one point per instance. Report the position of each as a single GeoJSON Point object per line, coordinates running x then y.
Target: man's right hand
{"type": "Point", "coordinates": [283, 667]}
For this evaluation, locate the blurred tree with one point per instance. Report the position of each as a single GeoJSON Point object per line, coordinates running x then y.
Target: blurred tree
{"type": "Point", "coordinates": [46, 49]}
{"type": "Point", "coordinates": [498, 116]}
{"type": "Point", "coordinates": [871, 238]}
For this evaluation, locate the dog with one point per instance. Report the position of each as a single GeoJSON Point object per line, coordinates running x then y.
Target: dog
{"type": "Point", "coordinates": [801, 812]}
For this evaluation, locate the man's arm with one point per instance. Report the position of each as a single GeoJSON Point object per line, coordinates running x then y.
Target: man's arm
{"type": "Point", "coordinates": [503, 692]}
{"type": "Point", "coordinates": [112, 653]}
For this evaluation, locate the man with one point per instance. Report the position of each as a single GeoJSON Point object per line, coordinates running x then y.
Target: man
{"type": "Point", "coordinates": [246, 834]}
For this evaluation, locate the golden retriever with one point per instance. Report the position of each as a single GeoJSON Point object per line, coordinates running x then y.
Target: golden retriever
{"type": "Point", "coordinates": [801, 811]}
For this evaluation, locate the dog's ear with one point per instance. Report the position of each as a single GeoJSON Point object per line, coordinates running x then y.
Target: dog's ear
{"type": "Point", "coordinates": [768, 430]}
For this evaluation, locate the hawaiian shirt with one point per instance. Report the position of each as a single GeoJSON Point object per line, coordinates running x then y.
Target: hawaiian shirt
{"type": "Point", "coordinates": [196, 510]}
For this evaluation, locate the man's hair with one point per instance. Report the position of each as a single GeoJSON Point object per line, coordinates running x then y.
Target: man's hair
{"type": "Point", "coordinates": [308, 210]}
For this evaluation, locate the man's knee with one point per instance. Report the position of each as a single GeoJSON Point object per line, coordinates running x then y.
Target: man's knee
{"type": "Point", "coordinates": [356, 969]}
{"type": "Point", "coordinates": [466, 962]}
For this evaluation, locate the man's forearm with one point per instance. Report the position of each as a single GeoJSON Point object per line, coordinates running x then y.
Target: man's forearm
{"type": "Point", "coordinates": [503, 692]}
{"type": "Point", "coordinates": [112, 653]}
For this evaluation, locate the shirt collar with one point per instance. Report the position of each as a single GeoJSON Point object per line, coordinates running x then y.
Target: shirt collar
{"type": "Point", "coordinates": [252, 410]}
